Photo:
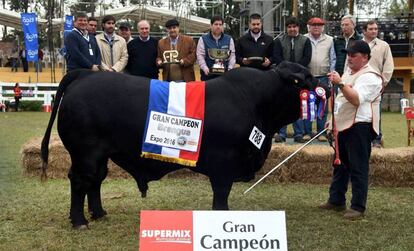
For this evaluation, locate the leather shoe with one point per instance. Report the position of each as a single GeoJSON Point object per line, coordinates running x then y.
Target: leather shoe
{"type": "Point", "coordinates": [279, 139]}
{"type": "Point", "coordinates": [307, 137]}
{"type": "Point", "coordinates": [322, 138]}
{"type": "Point", "coordinates": [299, 139]}
{"type": "Point", "coordinates": [351, 214]}
{"type": "Point", "coordinates": [329, 206]}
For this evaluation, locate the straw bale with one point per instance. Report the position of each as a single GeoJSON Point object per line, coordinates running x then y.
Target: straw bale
{"type": "Point", "coordinates": [388, 167]}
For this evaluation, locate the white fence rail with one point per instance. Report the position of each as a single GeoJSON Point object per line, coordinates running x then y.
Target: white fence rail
{"type": "Point", "coordinates": [30, 92]}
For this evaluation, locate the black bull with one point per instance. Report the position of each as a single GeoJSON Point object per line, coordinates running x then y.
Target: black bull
{"type": "Point", "coordinates": [102, 116]}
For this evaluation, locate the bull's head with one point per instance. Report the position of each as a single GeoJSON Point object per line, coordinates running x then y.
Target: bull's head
{"type": "Point", "coordinates": [299, 76]}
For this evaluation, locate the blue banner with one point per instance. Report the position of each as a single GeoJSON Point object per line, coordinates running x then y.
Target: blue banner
{"type": "Point", "coordinates": [68, 27]}
{"type": "Point", "coordinates": [29, 24]}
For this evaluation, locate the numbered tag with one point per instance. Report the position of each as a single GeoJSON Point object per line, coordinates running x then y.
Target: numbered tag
{"type": "Point", "coordinates": [257, 137]}
{"type": "Point", "coordinates": [90, 52]}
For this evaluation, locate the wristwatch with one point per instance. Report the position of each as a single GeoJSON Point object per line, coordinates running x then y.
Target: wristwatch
{"type": "Point", "coordinates": [341, 85]}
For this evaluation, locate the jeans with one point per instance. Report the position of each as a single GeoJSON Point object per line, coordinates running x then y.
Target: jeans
{"type": "Point", "coordinates": [297, 129]}
{"type": "Point", "coordinates": [320, 122]}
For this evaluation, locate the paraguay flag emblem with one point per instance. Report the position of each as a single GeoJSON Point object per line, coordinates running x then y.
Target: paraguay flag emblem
{"type": "Point", "coordinates": [174, 122]}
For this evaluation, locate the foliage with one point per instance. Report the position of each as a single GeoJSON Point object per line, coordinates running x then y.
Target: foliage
{"type": "Point", "coordinates": [397, 7]}
{"type": "Point", "coordinates": [33, 106]}
{"type": "Point", "coordinates": [34, 215]}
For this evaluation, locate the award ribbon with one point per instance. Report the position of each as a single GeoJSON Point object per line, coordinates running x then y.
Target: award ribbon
{"type": "Point", "coordinates": [312, 107]}
{"type": "Point", "coordinates": [321, 93]}
{"type": "Point", "coordinates": [304, 96]}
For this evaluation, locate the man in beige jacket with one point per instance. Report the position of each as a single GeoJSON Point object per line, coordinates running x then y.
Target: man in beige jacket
{"type": "Point", "coordinates": [113, 47]}
{"type": "Point", "coordinates": [381, 60]}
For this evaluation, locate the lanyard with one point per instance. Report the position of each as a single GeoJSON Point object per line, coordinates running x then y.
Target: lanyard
{"type": "Point", "coordinates": [85, 37]}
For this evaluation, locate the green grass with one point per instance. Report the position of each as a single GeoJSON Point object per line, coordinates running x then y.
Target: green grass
{"type": "Point", "coordinates": [34, 215]}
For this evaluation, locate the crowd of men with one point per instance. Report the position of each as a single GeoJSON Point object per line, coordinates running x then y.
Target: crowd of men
{"type": "Point", "coordinates": [144, 55]}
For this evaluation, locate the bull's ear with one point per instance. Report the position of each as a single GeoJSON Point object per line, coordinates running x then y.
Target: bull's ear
{"type": "Point", "coordinates": [291, 73]}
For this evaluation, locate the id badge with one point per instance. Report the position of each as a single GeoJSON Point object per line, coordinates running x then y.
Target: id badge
{"type": "Point", "coordinates": [90, 52]}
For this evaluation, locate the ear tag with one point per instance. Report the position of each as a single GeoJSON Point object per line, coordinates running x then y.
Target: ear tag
{"type": "Point", "coordinates": [296, 81]}
{"type": "Point", "coordinates": [304, 96]}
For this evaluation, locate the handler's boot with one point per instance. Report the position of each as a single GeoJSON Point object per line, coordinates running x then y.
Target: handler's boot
{"type": "Point", "coordinates": [329, 206]}
{"type": "Point", "coordinates": [351, 214]}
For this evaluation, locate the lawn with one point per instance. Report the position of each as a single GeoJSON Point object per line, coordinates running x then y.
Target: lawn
{"type": "Point", "coordinates": [34, 215]}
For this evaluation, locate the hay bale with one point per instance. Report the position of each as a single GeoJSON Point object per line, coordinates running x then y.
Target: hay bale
{"type": "Point", "coordinates": [388, 167]}
{"type": "Point", "coordinates": [59, 160]}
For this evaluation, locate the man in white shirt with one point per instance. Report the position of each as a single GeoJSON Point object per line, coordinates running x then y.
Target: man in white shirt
{"type": "Point", "coordinates": [381, 60]}
{"type": "Point", "coordinates": [357, 123]}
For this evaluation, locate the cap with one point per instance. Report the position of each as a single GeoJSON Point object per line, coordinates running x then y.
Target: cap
{"type": "Point", "coordinates": [316, 21]}
{"type": "Point", "coordinates": [124, 25]}
{"type": "Point", "coordinates": [358, 46]}
{"type": "Point", "coordinates": [172, 22]}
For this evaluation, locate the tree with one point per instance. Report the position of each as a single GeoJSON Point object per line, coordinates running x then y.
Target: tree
{"type": "Point", "coordinates": [397, 7]}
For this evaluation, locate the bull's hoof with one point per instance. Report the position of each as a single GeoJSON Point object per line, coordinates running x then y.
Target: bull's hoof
{"type": "Point", "coordinates": [81, 227]}
{"type": "Point", "coordinates": [143, 194]}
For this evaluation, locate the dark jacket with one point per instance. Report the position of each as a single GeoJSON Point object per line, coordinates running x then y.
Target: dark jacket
{"type": "Point", "coordinates": [142, 58]}
{"type": "Point", "coordinates": [301, 53]}
{"type": "Point", "coordinates": [78, 55]}
{"type": "Point", "coordinates": [339, 44]}
{"type": "Point", "coordinates": [246, 47]}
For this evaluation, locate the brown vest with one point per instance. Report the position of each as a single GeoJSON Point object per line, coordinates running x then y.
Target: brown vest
{"type": "Point", "coordinates": [346, 112]}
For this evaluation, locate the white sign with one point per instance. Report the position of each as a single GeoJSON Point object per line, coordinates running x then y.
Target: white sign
{"type": "Point", "coordinates": [212, 230]}
{"type": "Point", "coordinates": [173, 131]}
{"type": "Point", "coordinates": [239, 230]}
{"type": "Point", "coordinates": [257, 137]}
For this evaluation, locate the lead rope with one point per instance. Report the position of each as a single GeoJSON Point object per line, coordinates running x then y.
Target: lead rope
{"type": "Point", "coordinates": [337, 161]}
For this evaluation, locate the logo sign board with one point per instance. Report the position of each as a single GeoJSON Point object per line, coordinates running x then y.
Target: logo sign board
{"type": "Point", "coordinates": [212, 230]}
{"type": "Point", "coordinates": [29, 25]}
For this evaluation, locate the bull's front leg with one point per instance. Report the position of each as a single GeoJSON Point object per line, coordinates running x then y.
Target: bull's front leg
{"type": "Point", "coordinates": [221, 191]}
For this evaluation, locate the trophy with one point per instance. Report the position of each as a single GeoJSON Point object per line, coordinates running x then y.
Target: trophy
{"type": "Point", "coordinates": [170, 57]}
{"type": "Point", "coordinates": [219, 56]}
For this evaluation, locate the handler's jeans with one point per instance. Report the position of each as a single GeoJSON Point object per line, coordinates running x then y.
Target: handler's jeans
{"type": "Point", "coordinates": [297, 129]}
{"type": "Point", "coordinates": [320, 122]}
{"type": "Point", "coordinates": [354, 152]}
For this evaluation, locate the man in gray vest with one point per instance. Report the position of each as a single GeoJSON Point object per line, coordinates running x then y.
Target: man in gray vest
{"type": "Point", "coordinates": [293, 47]}
{"type": "Point", "coordinates": [323, 61]}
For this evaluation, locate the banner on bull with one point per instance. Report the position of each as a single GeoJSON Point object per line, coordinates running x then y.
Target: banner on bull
{"type": "Point", "coordinates": [174, 123]}
{"type": "Point", "coordinates": [212, 230]}
{"type": "Point", "coordinates": [29, 25]}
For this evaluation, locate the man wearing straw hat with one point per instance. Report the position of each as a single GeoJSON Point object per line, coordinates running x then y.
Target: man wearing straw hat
{"type": "Point", "coordinates": [357, 123]}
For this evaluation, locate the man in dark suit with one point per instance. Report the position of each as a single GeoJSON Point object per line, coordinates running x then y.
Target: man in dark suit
{"type": "Point", "coordinates": [82, 48]}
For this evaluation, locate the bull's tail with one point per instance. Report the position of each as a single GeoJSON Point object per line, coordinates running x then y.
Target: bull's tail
{"type": "Point", "coordinates": [66, 81]}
